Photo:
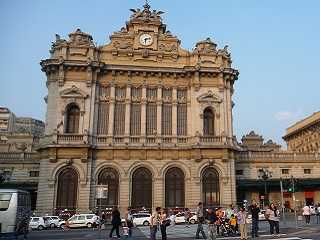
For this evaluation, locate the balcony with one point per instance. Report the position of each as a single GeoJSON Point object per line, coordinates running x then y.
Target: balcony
{"type": "Point", "coordinates": [14, 156]}
{"type": "Point", "coordinates": [137, 141]}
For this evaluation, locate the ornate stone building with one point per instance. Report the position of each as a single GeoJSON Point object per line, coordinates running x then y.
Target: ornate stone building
{"type": "Point", "coordinates": [304, 136]}
{"type": "Point", "coordinates": [19, 161]}
{"type": "Point", "coordinates": [147, 119]}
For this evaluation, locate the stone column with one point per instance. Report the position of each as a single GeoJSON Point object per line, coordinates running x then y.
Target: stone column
{"type": "Point", "coordinates": [158, 193]}
{"type": "Point", "coordinates": [229, 109]}
{"type": "Point", "coordinates": [111, 110]}
{"type": "Point", "coordinates": [159, 112]}
{"type": "Point", "coordinates": [124, 194]}
{"type": "Point", "coordinates": [174, 112]}
{"type": "Point", "coordinates": [127, 117]}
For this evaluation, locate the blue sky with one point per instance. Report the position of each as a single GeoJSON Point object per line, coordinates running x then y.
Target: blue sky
{"type": "Point", "coordinates": [274, 44]}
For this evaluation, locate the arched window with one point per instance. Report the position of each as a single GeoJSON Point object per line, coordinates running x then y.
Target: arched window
{"type": "Point", "coordinates": [174, 188]}
{"type": "Point", "coordinates": [67, 189]}
{"type": "Point", "coordinates": [141, 188]}
{"type": "Point", "coordinates": [109, 178]}
{"type": "Point", "coordinates": [208, 122]}
{"type": "Point", "coordinates": [72, 119]}
{"type": "Point", "coordinates": [210, 187]}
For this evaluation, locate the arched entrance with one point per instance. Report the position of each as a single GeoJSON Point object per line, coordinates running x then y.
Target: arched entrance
{"type": "Point", "coordinates": [109, 178]}
{"type": "Point", "coordinates": [67, 189]}
{"type": "Point", "coordinates": [174, 188]}
{"type": "Point", "coordinates": [141, 188]}
{"type": "Point", "coordinates": [210, 187]}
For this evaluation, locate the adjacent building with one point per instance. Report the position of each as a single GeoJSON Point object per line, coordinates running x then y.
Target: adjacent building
{"type": "Point", "coordinates": [304, 136]}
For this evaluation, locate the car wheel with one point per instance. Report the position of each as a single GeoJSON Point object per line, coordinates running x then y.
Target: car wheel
{"type": "Point", "coordinates": [89, 225]}
{"type": "Point", "coordinates": [192, 221]}
{"type": "Point", "coordinates": [62, 225]}
{"type": "Point", "coordinates": [145, 223]}
{"type": "Point", "coordinates": [40, 227]}
{"type": "Point", "coordinates": [52, 225]}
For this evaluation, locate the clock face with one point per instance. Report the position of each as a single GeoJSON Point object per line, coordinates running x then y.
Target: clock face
{"type": "Point", "coordinates": [146, 39]}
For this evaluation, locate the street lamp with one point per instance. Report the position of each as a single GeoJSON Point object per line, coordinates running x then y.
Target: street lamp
{"type": "Point", "coordinates": [265, 175]}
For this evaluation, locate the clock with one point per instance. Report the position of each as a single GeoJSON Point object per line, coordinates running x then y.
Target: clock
{"type": "Point", "coordinates": [145, 39]}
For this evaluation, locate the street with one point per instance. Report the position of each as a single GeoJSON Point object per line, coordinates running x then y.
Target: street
{"type": "Point", "coordinates": [176, 232]}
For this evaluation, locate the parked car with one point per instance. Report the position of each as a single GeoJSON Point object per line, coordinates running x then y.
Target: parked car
{"type": "Point", "coordinates": [52, 221]}
{"type": "Point", "coordinates": [261, 215]}
{"type": "Point", "coordinates": [194, 218]}
{"type": "Point", "coordinates": [81, 220]}
{"type": "Point", "coordinates": [38, 223]}
{"type": "Point", "coordinates": [179, 218]}
{"type": "Point", "coordinates": [140, 219]}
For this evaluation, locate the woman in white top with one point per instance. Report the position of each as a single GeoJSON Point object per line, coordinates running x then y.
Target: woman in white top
{"type": "Point", "coordinates": [273, 216]}
{"type": "Point", "coordinates": [306, 212]}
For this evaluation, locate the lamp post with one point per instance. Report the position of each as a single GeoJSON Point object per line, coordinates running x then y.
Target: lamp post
{"type": "Point", "coordinates": [265, 175]}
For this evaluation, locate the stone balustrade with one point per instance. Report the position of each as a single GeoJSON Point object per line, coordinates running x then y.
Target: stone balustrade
{"type": "Point", "coordinates": [153, 140]}
{"type": "Point", "coordinates": [276, 156]}
{"type": "Point", "coordinates": [7, 156]}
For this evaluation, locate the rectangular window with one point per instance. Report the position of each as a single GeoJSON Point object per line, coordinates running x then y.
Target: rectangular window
{"type": "Point", "coordinates": [151, 115]}
{"type": "Point", "coordinates": [135, 119]}
{"type": "Point", "coordinates": [182, 119]}
{"type": "Point", "coordinates": [119, 118]}
{"type": "Point", "coordinates": [167, 93]}
{"type": "Point", "coordinates": [152, 93]}
{"type": "Point", "coordinates": [307, 171]}
{"type": "Point", "coordinates": [5, 201]}
{"type": "Point", "coordinates": [136, 93]}
{"type": "Point", "coordinates": [34, 173]}
{"type": "Point", "coordinates": [103, 118]}
{"type": "Point", "coordinates": [166, 119]}
{"type": "Point", "coordinates": [239, 172]}
{"type": "Point", "coordinates": [285, 171]}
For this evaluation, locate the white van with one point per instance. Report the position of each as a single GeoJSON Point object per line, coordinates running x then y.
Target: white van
{"type": "Point", "coordinates": [15, 212]}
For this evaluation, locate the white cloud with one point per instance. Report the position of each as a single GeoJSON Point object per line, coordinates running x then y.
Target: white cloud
{"type": "Point", "coordinates": [284, 115]}
{"type": "Point", "coordinates": [288, 116]}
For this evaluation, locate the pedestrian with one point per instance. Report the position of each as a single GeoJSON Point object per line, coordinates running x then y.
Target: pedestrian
{"type": "Point", "coordinates": [187, 217]}
{"type": "Point", "coordinates": [115, 221]}
{"type": "Point", "coordinates": [318, 213]}
{"type": "Point", "coordinates": [220, 216]}
{"type": "Point", "coordinates": [103, 220]}
{"type": "Point", "coordinates": [129, 221]}
{"type": "Point", "coordinates": [154, 222]}
{"type": "Point", "coordinates": [306, 212]}
{"type": "Point", "coordinates": [200, 218]}
{"type": "Point", "coordinates": [273, 216]}
{"type": "Point", "coordinates": [212, 218]}
{"type": "Point", "coordinates": [230, 211]}
{"type": "Point", "coordinates": [164, 223]}
{"type": "Point", "coordinates": [254, 210]}
{"type": "Point", "coordinates": [242, 218]}
{"type": "Point", "coordinates": [233, 223]}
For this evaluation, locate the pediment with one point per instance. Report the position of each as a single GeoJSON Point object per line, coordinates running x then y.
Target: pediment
{"type": "Point", "coordinates": [73, 92]}
{"type": "Point", "coordinates": [209, 97]}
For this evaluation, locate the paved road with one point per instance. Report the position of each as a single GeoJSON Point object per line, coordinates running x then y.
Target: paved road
{"type": "Point", "coordinates": [177, 232]}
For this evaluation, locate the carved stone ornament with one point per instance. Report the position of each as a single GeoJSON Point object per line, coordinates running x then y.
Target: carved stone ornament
{"type": "Point", "coordinates": [206, 47]}
{"type": "Point", "coordinates": [146, 14]}
{"type": "Point", "coordinates": [79, 39]}
{"type": "Point", "coordinates": [209, 97]}
{"type": "Point", "coordinates": [73, 92]}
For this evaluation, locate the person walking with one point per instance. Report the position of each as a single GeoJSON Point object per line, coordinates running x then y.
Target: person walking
{"type": "Point", "coordinates": [164, 222]}
{"type": "Point", "coordinates": [187, 216]}
{"type": "Point", "coordinates": [129, 222]}
{"type": "Point", "coordinates": [154, 222]}
{"type": "Point", "coordinates": [103, 220]}
{"type": "Point", "coordinates": [318, 213]}
{"type": "Point", "coordinates": [306, 212]}
{"type": "Point", "coordinates": [254, 210]}
{"type": "Point", "coordinates": [273, 216]}
{"type": "Point", "coordinates": [230, 211]}
{"type": "Point", "coordinates": [212, 218]}
{"type": "Point", "coordinates": [200, 218]}
{"type": "Point", "coordinates": [242, 217]}
{"type": "Point", "coordinates": [115, 221]}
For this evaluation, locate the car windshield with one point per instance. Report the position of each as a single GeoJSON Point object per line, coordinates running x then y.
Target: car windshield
{"type": "Point", "coordinates": [5, 201]}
